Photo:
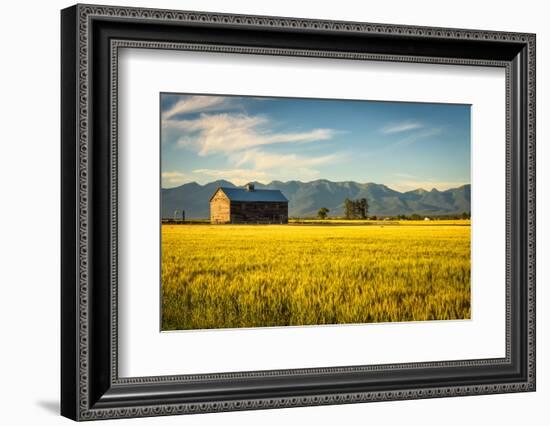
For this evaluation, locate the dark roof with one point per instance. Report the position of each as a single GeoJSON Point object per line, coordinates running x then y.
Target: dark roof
{"type": "Point", "coordinates": [261, 195]}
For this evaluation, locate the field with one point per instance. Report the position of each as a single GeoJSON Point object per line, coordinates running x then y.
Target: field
{"type": "Point", "coordinates": [219, 276]}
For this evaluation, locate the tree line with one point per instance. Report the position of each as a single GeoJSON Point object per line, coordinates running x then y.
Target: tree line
{"type": "Point", "coordinates": [359, 209]}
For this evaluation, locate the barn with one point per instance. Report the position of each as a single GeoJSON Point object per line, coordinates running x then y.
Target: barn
{"type": "Point", "coordinates": [248, 205]}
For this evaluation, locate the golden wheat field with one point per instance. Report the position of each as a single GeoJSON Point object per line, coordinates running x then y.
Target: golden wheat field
{"type": "Point", "coordinates": [219, 276]}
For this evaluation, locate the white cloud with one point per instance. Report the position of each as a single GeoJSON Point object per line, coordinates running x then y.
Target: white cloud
{"type": "Point", "coordinates": [228, 133]}
{"type": "Point", "coordinates": [404, 175]}
{"type": "Point", "coordinates": [195, 104]}
{"type": "Point", "coordinates": [238, 137]}
{"type": "Point", "coordinates": [265, 161]}
{"type": "Point", "coordinates": [171, 179]}
{"type": "Point", "coordinates": [417, 136]}
{"type": "Point", "coordinates": [311, 136]}
{"type": "Point", "coordinates": [403, 126]}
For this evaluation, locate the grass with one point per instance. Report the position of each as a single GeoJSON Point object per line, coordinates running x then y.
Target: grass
{"type": "Point", "coordinates": [218, 276]}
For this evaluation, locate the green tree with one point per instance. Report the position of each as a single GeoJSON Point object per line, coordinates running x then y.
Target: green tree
{"type": "Point", "coordinates": [356, 209]}
{"type": "Point", "coordinates": [348, 208]}
{"type": "Point", "coordinates": [363, 208]}
{"type": "Point", "coordinates": [322, 213]}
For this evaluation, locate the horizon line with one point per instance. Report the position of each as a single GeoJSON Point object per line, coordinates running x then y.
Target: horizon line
{"type": "Point", "coordinates": [318, 180]}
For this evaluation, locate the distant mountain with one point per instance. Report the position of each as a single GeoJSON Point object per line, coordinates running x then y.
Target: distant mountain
{"type": "Point", "coordinates": [306, 198]}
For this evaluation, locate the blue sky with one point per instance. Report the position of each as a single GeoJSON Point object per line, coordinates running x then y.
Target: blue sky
{"type": "Point", "coordinates": [403, 145]}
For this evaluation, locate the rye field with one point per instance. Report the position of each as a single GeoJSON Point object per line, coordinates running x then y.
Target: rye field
{"type": "Point", "coordinates": [230, 276]}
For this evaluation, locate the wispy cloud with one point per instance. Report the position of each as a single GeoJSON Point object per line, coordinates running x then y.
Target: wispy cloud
{"type": "Point", "coordinates": [228, 133]}
{"type": "Point", "coordinates": [266, 161]}
{"type": "Point", "coordinates": [242, 139]}
{"type": "Point", "coordinates": [193, 104]}
{"type": "Point", "coordinates": [171, 179]}
{"type": "Point", "coordinates": [417, 136]}
{"type": "Point", "coordinates": [404, 175]}
{"type": "Point", "coordinates": [403, 126]}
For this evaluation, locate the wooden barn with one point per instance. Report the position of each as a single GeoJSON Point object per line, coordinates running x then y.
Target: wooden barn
{"type": "Point", "coordinates": [248, 205]}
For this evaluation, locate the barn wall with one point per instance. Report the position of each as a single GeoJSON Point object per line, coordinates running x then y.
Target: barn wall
{"type": "Point", "coordinates": [220, 208]}
{"type": "Point", "coordinates": [259, 212]}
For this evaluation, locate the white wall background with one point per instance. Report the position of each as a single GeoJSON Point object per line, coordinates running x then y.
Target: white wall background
{"type": "Point", "coordinates": [29, 217]}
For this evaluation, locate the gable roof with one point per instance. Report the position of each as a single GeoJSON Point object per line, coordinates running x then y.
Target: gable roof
{"type": "Point", "coordinates": [260, 195]}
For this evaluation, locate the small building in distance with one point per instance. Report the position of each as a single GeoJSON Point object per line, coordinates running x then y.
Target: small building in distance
{"type": "Point", "coordinates": [248, 205]}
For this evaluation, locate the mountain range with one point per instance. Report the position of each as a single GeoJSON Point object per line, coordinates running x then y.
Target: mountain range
{"type": "Point", "coordinates": [306, 198]}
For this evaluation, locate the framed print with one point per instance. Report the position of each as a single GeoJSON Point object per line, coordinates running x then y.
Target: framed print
{"type": "Point", "coordinates": [263, 212]}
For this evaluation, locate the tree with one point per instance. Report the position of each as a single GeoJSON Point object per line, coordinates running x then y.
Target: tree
{"type": "Point", "coordinates": [348, 208]}
{"type": "Point", "coordinates": [322, 213]}
{"type": "Point", "coordinates": [356, 209]}
{"type": "Point", "coordinates": [363, 208]}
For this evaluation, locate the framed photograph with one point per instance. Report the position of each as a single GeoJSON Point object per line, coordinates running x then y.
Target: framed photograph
{"type": "Point", "coordinates": [263, 212]}
{"type": "Point", "coordinates": [340, 251]}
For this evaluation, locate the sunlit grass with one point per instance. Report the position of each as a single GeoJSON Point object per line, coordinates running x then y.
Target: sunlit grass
{"type": "Point", "coordinates": [217, 276]}
{"type": "Point", "coordinates": [382, 222]}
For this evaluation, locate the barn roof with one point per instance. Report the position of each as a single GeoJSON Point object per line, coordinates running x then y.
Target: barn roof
{"type": "Point", "coordinates": [260, 195]}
